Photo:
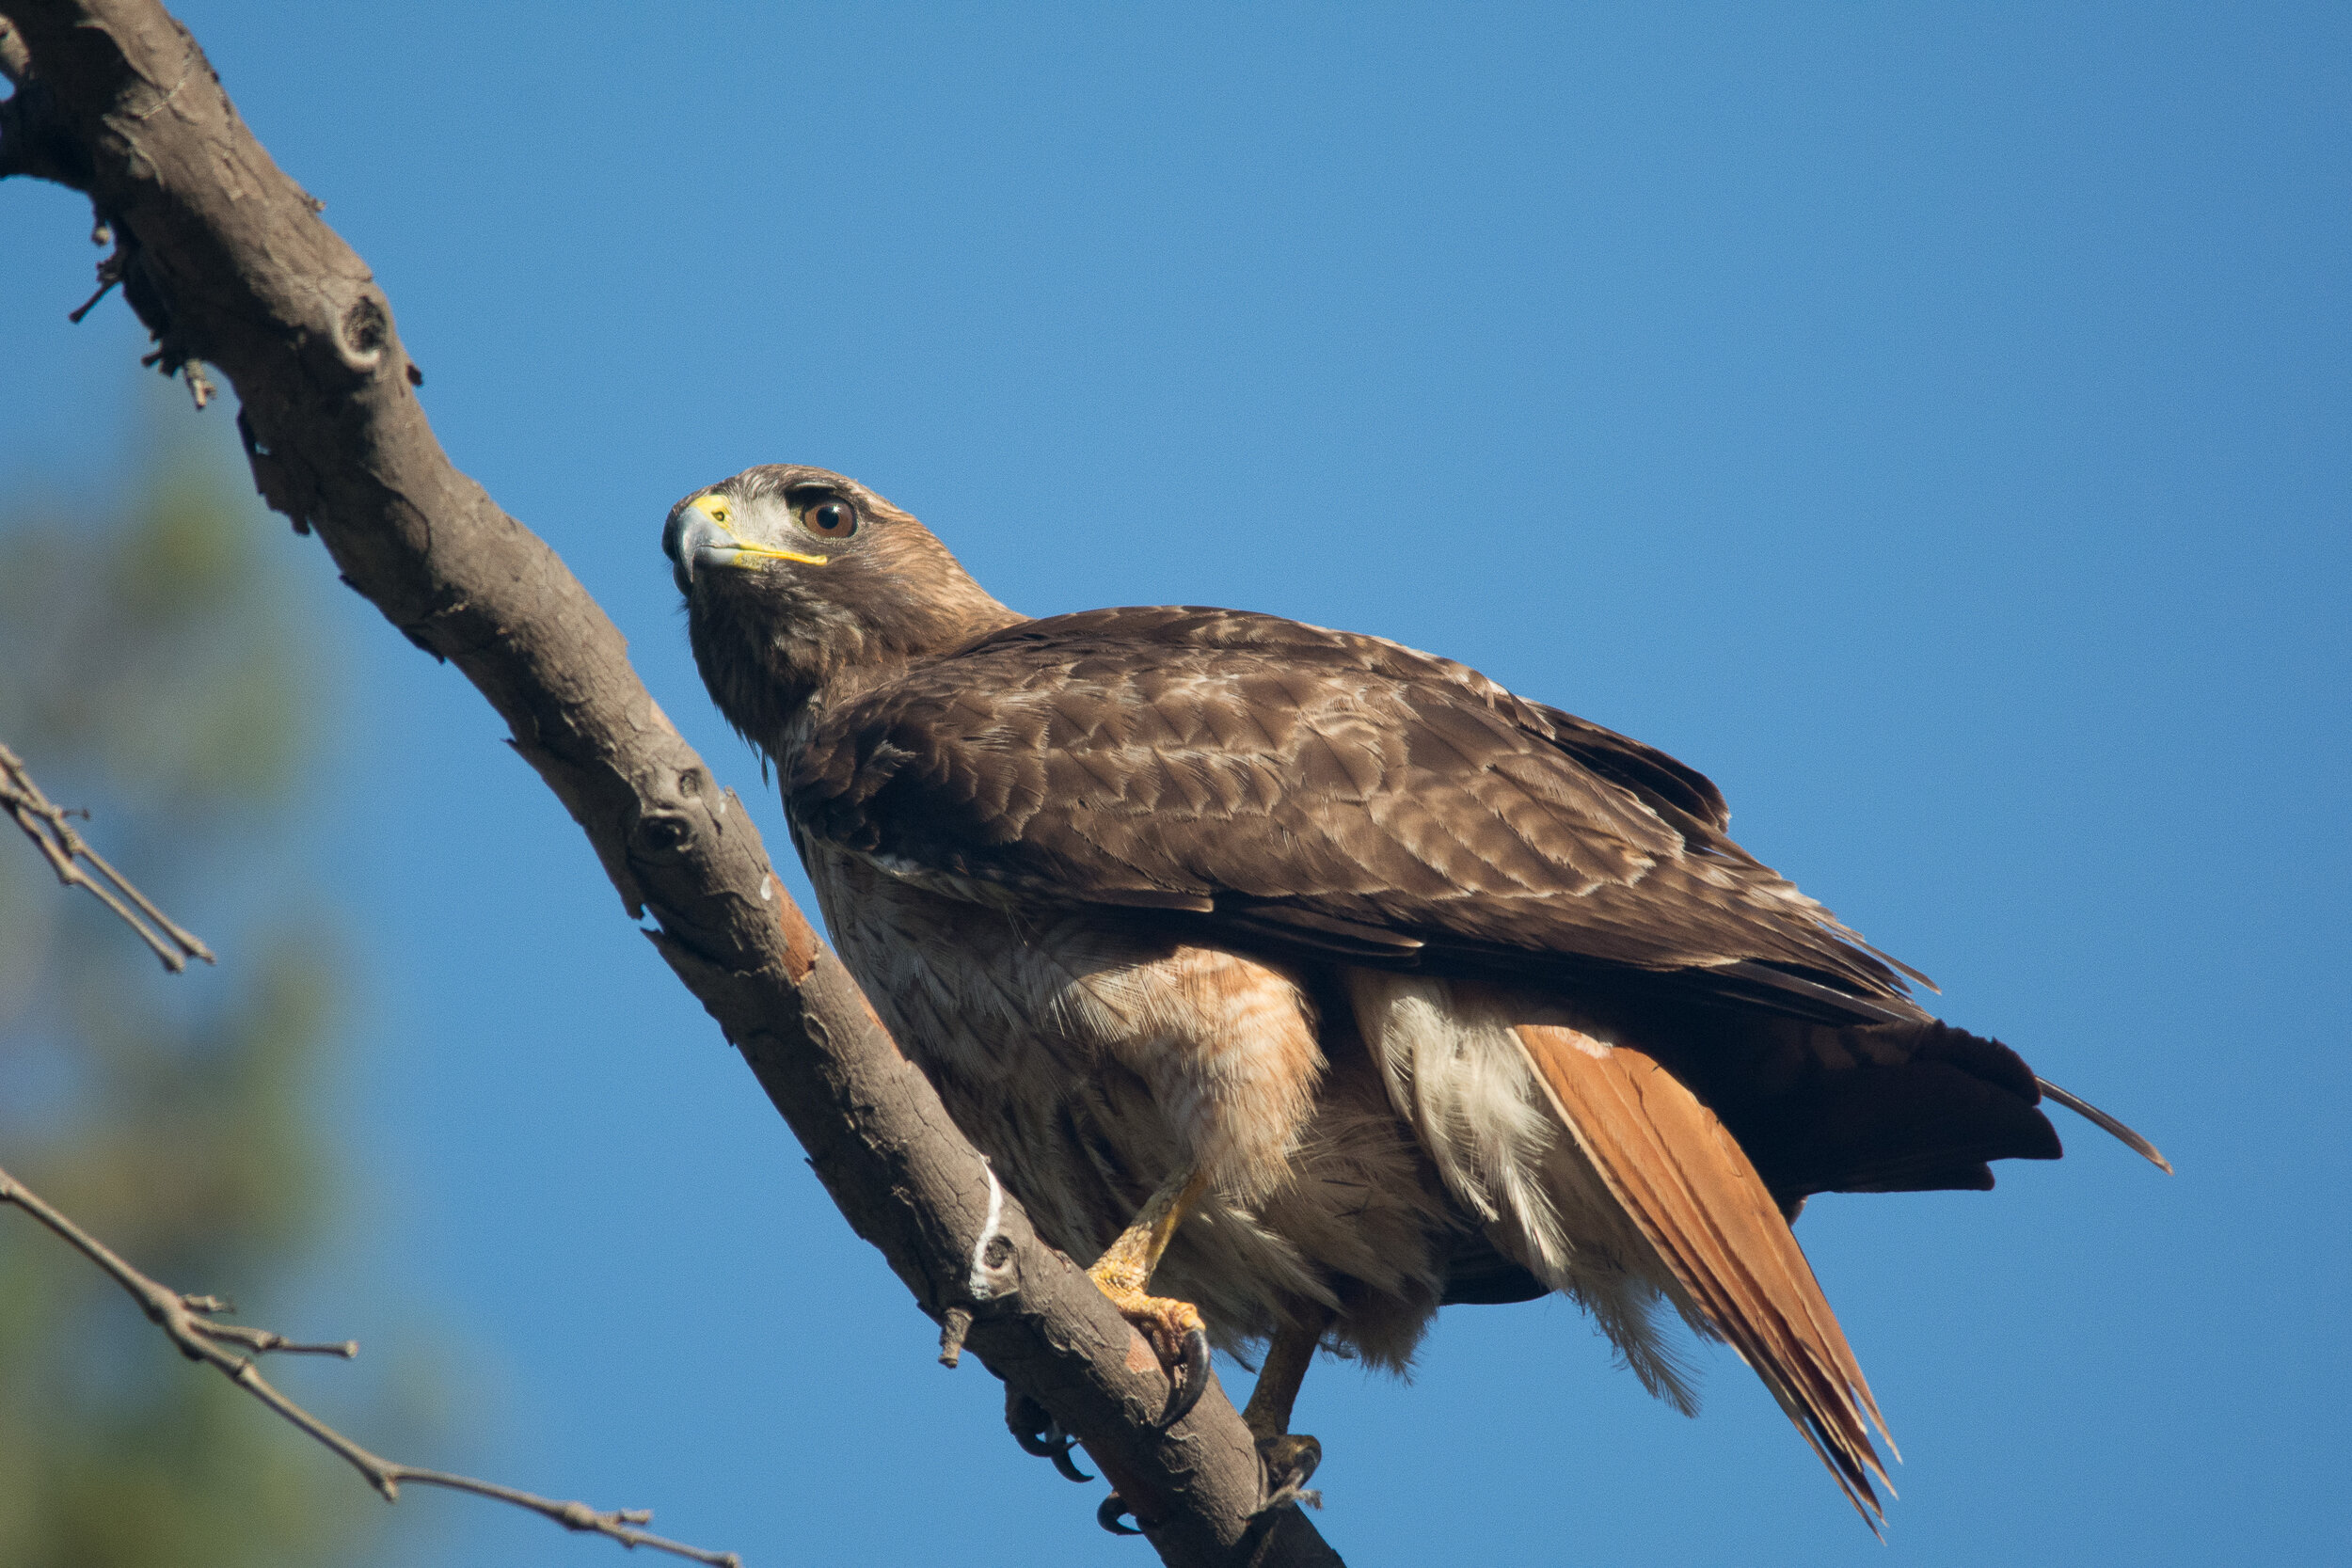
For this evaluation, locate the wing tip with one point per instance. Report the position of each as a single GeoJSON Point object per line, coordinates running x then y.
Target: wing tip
{"type": "Point", "coordinates": [2110, 1125]}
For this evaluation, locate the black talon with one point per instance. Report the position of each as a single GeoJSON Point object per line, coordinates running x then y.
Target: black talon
{"type": "Point", "coordinates": [1040, 1432]}
{"type": "Point", "coordinates": [1187, 1379]}
{"type": "Point", "coordinates": [1107, 1516]}
{"type": "Point", "coordinates": [1062, 1443]}
{"type": "Point", "coordinates": [1028, 1422]}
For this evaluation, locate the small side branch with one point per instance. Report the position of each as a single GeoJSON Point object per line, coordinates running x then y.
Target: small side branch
{"type": "Point", "coordinates": [48, 826]}
{"type": "Point", "coordinates": [189, 1321]}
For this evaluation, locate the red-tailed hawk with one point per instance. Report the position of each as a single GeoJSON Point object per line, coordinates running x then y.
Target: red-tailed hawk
{"type": "Point", "coordinates": [1318, 982]}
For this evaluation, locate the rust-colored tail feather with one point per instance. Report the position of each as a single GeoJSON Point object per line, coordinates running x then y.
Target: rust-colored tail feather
{"type": "Point", "coordinates": [1692, 1192]}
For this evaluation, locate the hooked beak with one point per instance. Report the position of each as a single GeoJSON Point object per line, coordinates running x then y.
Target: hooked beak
{"type": "Point", "coordinates": [696, 540]}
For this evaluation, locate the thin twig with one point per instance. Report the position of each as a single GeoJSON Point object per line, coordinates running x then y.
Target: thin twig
{"type": "Point", "coordinates": [46, 825]}
{"type": "Point", "coordinates": [184, 1319]}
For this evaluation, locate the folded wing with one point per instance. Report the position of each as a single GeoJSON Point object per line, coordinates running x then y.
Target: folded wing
{"type": "Point", "coordinates": [1279, 783]}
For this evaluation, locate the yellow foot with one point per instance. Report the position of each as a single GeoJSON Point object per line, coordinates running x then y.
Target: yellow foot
{"type": "Point", "coordinates": [1289, 1462]}
{"type": "Point", "coordinates": [1172, 1328]}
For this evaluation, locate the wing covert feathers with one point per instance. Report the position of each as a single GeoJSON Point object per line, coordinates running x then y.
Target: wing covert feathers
{"type": "Point", "coordinates": [1331, 792]}
{"type": "Point", "coordinates": [1696, 1199]}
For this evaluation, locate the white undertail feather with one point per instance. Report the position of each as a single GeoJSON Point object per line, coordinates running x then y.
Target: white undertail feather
{"type": "Point", "coordinates": [1455, 1072]}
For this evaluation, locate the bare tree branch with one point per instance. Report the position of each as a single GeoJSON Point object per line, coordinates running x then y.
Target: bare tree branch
{"type": "Point", "coordinates": [225, 260]}
{"type": "Point", "coordinates": [47, 826]}
{"type": "Point", "coordinates": [187, 1321]}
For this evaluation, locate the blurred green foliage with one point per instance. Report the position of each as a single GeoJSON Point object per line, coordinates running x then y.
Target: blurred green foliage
{"type": "Point", "coordinates": [156, 668]}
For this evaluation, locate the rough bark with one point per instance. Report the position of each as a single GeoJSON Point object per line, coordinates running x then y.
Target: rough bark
{"type": "Point", "coordinates": [226, 260]}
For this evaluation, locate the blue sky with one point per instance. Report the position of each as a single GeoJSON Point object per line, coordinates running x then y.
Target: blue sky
{"type": "Point", "coordinates": [1931, 424]}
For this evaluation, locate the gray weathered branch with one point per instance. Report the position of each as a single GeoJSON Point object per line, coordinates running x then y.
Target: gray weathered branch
{"type": "Point", "coordinates": [225, 259]}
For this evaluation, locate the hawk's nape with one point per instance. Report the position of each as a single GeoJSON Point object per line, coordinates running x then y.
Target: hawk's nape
{"type": "Point", "coordinates": [1319, 982]}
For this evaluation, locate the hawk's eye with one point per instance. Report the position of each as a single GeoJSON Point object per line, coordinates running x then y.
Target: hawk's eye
{"type": "Point", "coordinates": [831, 516]}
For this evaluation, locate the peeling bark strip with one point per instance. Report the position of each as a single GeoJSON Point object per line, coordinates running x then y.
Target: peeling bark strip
{"type": "Point", "coordinates": [225, 260]}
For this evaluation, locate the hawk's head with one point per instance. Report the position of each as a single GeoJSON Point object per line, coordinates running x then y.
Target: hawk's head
{"type": "Point", "coordinates": [803, 585]}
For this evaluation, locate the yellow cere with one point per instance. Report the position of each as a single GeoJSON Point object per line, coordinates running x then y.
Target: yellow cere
{"type": "Point", "coordinates": [719, 512]}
